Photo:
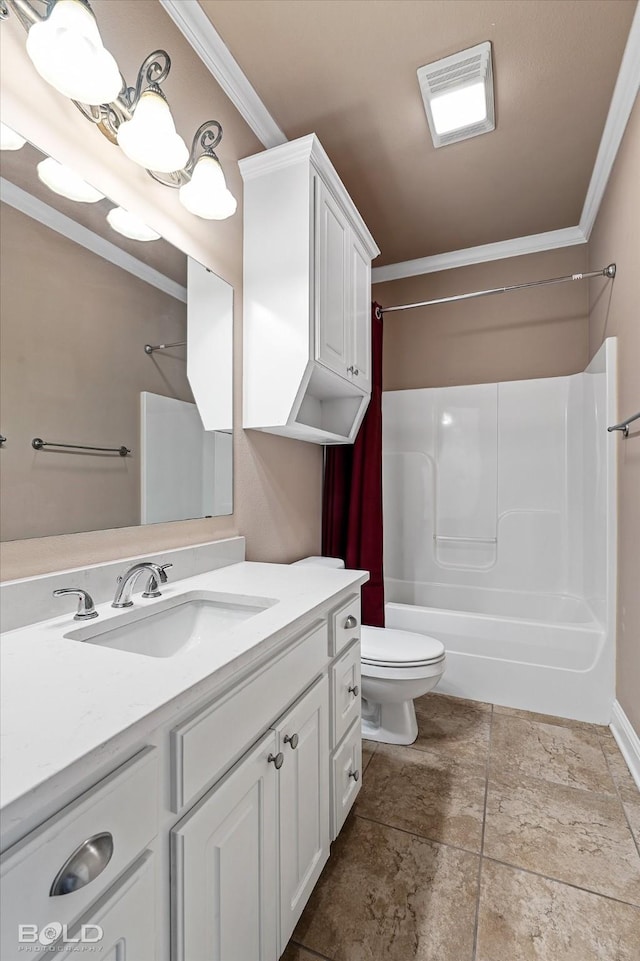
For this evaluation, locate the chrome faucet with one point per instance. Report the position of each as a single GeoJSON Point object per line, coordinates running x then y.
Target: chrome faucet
{"type": "Point", "coordinates": [124, 590]}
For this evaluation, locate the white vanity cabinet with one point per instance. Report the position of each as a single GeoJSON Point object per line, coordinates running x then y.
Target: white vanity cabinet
{"type": "Point", "coordinates": [263, 831]}
{"type": "Point", "coordinates": [306, 294]}
{"type": "Point", "coordinates": [224, 866]}
{"type": "Point", "coordinates": [217, 821]}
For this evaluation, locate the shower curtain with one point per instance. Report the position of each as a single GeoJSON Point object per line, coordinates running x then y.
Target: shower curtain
{"type": "Point", "coordinates": [352, 498]}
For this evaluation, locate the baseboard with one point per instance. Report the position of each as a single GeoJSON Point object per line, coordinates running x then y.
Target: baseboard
{"type": "Point", "coordinates": [627, 739]}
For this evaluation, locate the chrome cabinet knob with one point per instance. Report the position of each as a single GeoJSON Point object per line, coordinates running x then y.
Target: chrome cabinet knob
{"type": "Point", "coordinates": [293, 741]}
{"type": "Point", "coordinates": [353, 370]}
{"type": "Point", "coordinates": [86, 609]}
{"type": "Point", "coordinates": [276, 759]}
{"type": "Point", "coordinates": [86, 863]}
{"type": "Point", "coordinates": [350, 623]}
{"type": "Point", "coordinates": [153, 588]}
{"type": "Point", "coordinates": [354, 689]}
{"type": "Point", "coordinates": [355, 775]}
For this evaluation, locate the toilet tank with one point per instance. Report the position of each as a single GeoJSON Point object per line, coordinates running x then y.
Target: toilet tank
{"type": "Point", "coordinates": [335, 562]}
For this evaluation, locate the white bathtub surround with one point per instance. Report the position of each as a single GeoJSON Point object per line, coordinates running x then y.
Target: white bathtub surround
{"type": "Point", "coordinates": [628, 740]}
{"type": "Point", "coordinates": [499, 505]}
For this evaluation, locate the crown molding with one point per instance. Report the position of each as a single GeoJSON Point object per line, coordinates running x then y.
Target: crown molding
{"type": "Point", "coordinates": [36, 209]}
{"type": "Point", "coordinates": [210, 47]}
{"type": "Point", "coordinates": [193, 22]}
{"type": "Point", "coordinates": [518, 247]}
{"type": "Point", "coordinates": [309, 150]}
{"type": "Point", "coordinates": [622, 101]}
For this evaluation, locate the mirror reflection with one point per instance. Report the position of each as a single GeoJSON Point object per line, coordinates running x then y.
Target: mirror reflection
{"type": "Point", "coordinates": [98, 317]}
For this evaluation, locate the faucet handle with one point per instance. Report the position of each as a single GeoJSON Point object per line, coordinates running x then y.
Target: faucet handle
{"type": "Point", "coordinates": [86, 609]}
{"type": "Point", "coordinates": [152, 588]}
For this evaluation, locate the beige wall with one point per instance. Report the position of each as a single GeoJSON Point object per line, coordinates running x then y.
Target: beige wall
{"type": "Point", "coordinates": [542, 332]}
{"type": "Point", "coordinates": [615, 311]}
{"type": "Point", "coordinates": [74, 374]}
{"type": "Point", "coordinates": [277, 482]}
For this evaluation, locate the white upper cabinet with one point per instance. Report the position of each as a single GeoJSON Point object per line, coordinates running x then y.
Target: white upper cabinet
{"type": "Point", "coordinates": [307, 297]}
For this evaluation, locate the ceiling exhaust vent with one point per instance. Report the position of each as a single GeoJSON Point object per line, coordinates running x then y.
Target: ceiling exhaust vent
{"type": "Point", "coordinates": [458, 95]}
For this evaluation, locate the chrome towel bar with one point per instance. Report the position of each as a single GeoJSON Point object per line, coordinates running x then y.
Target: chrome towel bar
{"type": "Point", "coordinates": [624, 425]}
{"type": "Point", "coordinates": [150, 348]}
{"type": "Point", "coordinates": [38, 443]}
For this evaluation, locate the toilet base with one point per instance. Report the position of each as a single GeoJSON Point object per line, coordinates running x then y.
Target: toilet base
{"type": "Point", "coordinates": [392, 723]}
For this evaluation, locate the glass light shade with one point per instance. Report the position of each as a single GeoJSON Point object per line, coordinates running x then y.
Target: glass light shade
{"type": "Point", "coordinates": [130, 226]}
{"type": "Point", "coordinates": [9, 139]}
{"type": "Point", "coordinates": [460, 108]}
{"type": "Point", "coordinates": [150, 138]}
{"type": "Point", "coordinates": [66, 182]}
{"type": "Point", "coordinates": [67, 51]}
{"type": "Point", "coordinates": [207, 195]}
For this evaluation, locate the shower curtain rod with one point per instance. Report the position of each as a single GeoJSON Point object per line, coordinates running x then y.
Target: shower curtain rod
{"type": "Point", "coordinates": [609, 272]}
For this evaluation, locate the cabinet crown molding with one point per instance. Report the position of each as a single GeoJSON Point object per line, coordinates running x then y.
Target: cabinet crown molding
{"type": "Point", "coordinates": [309, 149]}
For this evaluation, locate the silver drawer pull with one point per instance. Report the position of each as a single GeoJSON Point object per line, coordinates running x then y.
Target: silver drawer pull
{"type": "Point", "coordinates": [276, 759]}
{"type": "Point", "coordinates": [293, 741]}
{"type": "Point", "coordinates": [85, 864]}
{"type": "Point", "coordinates": [354, 689]}
{"type": "Point", "coordinates": [355, 775]}
{"type": "Point", "coordinates": [350, 623]}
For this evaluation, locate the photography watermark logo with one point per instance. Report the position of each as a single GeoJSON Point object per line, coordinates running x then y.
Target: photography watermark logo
{"type": "Point", "coordinates": [55, 936]}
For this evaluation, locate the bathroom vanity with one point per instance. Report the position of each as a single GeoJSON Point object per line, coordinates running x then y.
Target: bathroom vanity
{"type": "Point", "coordinates": [179, 802]}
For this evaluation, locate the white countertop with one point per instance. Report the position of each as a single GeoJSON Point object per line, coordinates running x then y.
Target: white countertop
{"type": "Point", "coordinates": [63, 700]}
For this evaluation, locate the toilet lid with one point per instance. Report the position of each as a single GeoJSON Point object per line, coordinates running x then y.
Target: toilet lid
{"type": "Point", "coordinates": [387, 646]}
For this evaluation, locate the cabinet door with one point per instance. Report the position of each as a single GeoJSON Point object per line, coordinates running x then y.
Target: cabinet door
{"type": "Point", "coordinates": [122, 925]}
{"type": "Point", "coordinates": [359, 318]}
{"type": "Point", "coordinates": [304, 802]}
{"type": "Point", "coordinates": [224, 864]}
{"type": "Point", "coordinates": [332, 332]}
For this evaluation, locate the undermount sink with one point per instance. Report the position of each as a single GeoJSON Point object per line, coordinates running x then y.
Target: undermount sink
{"type": "Point", "coordinates": [173, 626]}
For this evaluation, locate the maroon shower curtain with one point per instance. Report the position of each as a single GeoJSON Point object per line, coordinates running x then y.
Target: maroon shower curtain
{"type": "Point", "coordinates": [352, 501]}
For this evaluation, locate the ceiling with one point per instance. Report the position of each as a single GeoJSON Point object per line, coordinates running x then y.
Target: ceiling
{"type": "Point", "coordinates": [346, 70]}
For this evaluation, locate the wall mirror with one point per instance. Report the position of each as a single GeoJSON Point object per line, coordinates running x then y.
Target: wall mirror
{"type": "Point", "coordinates": [108, 341]}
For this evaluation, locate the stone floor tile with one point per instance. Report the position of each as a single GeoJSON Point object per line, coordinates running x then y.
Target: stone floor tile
{"type": "Point", "coordinates": [368, 750]}
{"type": "Point", "coordinates": [426, 793]}
{"type": "Point", "coordinates": [523, 917]}
{"type": "Point", "coordinates": [569, 756]}
{"type": "Point", "coordinates": [453, 726]}
{"type": "Point", "coordinates": [386, 895]}
{"type": "Point", "coordinates": [600, 729]}
{"type": "Point", "coordinates": [625, 784]}
{"type": "Point", "coordinates": [571, 835]}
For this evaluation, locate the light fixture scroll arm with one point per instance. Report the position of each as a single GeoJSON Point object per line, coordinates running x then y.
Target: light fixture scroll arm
{"type": "Point", "coordinates": [208, 136]}
{"type": "Point", "coordinates": [24, 11]}
{"type": "Point", "coordinates": [153, 71]}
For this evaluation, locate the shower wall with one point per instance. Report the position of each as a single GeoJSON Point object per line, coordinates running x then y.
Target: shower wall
{"type": "Point", "coordinates": [500, 486]}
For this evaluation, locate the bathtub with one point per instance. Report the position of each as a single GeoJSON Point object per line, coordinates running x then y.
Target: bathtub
{"type": "Point", "coordinates": [539, 652]}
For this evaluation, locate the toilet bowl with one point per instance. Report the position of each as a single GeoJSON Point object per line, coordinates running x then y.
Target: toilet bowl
{"type": "Point", "coordinates": [396, 667]}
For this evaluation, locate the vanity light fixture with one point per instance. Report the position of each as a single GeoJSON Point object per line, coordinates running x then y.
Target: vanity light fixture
{"type": "Point", "coordinates": [207, 194]}
{"type": "Point", "coordinates": [67, 51]}
{"type": "Point", "coordinates": [458, 95]}
{"type": "Point", "coordinates": [130, 226]}
{"type": "Point", "coordinates": [150, 137]}
{"type": "Point", "coordinates": [66, 182]}
{"type": "Point", "coordinates": [9, 139]}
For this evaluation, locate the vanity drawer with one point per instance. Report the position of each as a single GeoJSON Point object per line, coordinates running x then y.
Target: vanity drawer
{"type": "Point", "coordinates": [346, 777]}
{"type": "Point", "coordinates": [346, 698]}
{"type": "Point", "coordinates": [122, 806]}
{"type": "Point", "coordinates": [345, 625]}
{"type": "Point", "coordinates": [203, 747]}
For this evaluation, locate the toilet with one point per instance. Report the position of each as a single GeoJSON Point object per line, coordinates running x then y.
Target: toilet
{"type": "Point", "coordinates": [396, 667]}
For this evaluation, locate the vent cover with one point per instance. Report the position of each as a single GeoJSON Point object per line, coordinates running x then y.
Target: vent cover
{"type": "Point", "coordinates": [466, 80]}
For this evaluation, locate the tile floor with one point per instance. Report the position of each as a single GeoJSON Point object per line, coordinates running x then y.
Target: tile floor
{"type": "Point", "coordinates": [498, 836]}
